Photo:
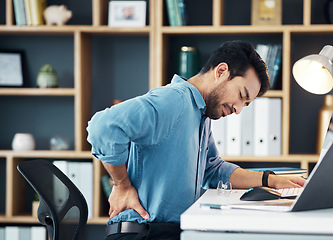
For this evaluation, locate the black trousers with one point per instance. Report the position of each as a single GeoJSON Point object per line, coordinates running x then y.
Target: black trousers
{"type": "Point", "coordinates": [154, 231]}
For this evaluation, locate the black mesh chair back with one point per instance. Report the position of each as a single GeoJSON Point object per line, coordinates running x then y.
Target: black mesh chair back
{"type": "Point", "coordinates": [62, 208]}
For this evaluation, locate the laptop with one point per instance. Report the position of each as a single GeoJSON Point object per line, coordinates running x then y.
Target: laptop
{"type": "Point", "coordinates": [317, 192]}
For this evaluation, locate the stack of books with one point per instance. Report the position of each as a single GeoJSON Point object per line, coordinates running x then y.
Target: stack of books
{"type": "Point", "coordinates": [283, 171]}
{"type": "Point", "coordinates": [29, 12]}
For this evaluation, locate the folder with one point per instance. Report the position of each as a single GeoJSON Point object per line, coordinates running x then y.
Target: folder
{"type": "Point", "coordinates": [38, 233]}
{"type": "Point", "coordinates": [261, 111]}
{"type": "Point", "coordinates": [247, 119]}
{"type": "Point", "coordinates": [86, 184]}
{"type": "Point", "coordinates": [219, 132]}
{"type": "Point", "coordinates": [25, 233]}
{"type": "Point", "coordinates": [12, 233]}
{"type": "Point", "coordinates": [233, 131]}
{"type": "Point", "coordinates": [62, 192]}
{"type": "Point", "coordinates": [267, 126]}
{"type": "Point", "coordinates": [275, 126]}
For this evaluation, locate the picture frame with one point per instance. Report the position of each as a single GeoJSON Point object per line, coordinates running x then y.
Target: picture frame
{"type": "Point", "coordinates": [11, 68]}
{"type": "Point", "coordinates": [266, 12]}
{"type": "Point", "coordinates": [127, 14]}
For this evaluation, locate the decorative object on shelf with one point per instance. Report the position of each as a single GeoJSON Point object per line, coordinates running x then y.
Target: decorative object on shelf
{"type": "Point", "coordinates": [23, 142]}
{"type": "Point", "coordinates": [324, 117]}
{"type": "Point", "coordinates": [266, 12]}
{"type": "Point", "coordinates": [328, 9]}
{"type": "Point", "coordinates": [314, 73]}
{"type": "Point", "coordinates": [188, 62]}
{"type": "Point", "coordinates": [57, 15]}
{"type": "Point", "coordinates": [11, 69]}
{"type": "Point", "coordinates": [127, 14]}
{"type": "Point", "coordinates": [59, 143]}
{"type": "Point", "coordinates": [47, 77]}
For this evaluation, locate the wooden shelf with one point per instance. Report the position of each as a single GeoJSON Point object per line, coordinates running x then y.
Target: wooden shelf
{"type": "Point", "coordinates": [158, 35]}
{"type": "Point", "coordinates": [46, 154]}
{"type": "Point", "coordinates": [37, 92]}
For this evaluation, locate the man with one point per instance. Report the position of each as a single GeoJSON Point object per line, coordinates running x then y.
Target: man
{"type": "Point", "coordinates": [159, 149]}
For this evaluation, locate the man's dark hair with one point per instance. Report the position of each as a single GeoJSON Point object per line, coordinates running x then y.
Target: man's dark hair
{"type": "Point", "coordinates": [240, 56]}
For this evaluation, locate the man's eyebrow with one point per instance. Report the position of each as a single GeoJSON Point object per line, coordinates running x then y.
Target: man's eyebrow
{"type": "Point", "coordinates": [247, 93]}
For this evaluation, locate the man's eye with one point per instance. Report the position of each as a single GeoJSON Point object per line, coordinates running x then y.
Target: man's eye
{"type": "Point", "coordinates": [240, 95]}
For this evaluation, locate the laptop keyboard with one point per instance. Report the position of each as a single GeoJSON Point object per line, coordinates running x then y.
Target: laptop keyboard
{"type": "Point", "coordinates": [289, 192]}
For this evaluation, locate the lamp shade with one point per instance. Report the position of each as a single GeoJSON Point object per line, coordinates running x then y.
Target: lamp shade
{"type": "Point", "coordinates": [314, 73]}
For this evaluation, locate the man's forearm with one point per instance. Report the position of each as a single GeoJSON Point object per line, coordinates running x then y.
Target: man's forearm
{"type": "Point", "coordinates": [242, 178]}
{"type": "Point", "coordinates": [119, 174]}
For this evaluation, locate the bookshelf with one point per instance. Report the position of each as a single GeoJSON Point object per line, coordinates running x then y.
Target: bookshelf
{"type": "Point", "coordinates": [98, 64]}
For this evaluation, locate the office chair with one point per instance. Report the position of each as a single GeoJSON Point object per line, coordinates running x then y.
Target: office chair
{"type": "Point", "coordinates": [62, 208]}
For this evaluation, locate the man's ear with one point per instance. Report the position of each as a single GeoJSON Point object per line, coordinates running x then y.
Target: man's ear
{"type": "Point", "coordinates": [221, 69]}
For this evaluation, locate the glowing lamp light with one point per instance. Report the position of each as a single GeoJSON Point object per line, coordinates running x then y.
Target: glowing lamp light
{"type": "Point", "coordinates": [314, 73]}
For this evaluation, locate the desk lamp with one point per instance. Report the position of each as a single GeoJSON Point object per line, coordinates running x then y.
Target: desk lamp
{"type": "Point", "coordinates": [314, 73]}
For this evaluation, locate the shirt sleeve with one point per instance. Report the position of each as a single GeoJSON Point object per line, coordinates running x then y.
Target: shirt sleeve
{"type": "Point", "coordinates": [145, 120]}
{"type": "Point", "coordinates": [216, 168]}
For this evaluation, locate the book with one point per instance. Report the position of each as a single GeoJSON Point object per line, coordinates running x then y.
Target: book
{"type": "Point", "coordinates": [19, 12]}
{"type": "Point", "coordinates": [280, 170]}
{"type": "Point", "coordinates": [183, 12]}
{"type": "Point", "coordinates": [37, 8]}
{"type": "Point", "coordinates": [272, 56]}
{"type": "Point", "coordinates": [27, 12]}
{"type": "Point", "coordinates": [276, 68]}
{"type": "Point", "coordinates": [173, 13]}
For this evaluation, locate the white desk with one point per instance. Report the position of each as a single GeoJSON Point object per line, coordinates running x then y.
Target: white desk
{"type": "Point", "coordinates": [198, 221]}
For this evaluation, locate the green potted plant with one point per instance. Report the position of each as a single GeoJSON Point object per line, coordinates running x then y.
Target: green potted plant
{"type": "Point", "coordinates": [47, 77]}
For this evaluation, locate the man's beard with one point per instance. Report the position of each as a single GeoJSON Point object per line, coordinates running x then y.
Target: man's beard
{"type": "Point", "coordinates": [213, 103]}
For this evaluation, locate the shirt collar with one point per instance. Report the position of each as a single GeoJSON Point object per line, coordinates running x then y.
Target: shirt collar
{"type": "Point", "coordinates": [200, 102]}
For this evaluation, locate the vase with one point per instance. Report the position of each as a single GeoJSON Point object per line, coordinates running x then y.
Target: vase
{"type": "Point", "coordinates": [23, 142]}
{"type": "Point", "coordinates": [47, 80]}
{"type": "Point", "coordinates": [188, 62]}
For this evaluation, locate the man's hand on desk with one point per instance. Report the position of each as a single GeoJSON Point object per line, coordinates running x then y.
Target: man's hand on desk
{"type": "Point", "coordinates": [276, 181]}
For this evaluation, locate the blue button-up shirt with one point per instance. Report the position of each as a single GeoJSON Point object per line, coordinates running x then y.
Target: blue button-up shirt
{"type": "Point", "coordinates": [166, 142]}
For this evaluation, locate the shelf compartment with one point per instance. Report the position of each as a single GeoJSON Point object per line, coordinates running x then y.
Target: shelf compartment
{"type": "Point", "coordinates": [39, 117]}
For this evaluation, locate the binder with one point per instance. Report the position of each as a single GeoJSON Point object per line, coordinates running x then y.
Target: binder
{"type": "Point", "coordinates": [2, 233]}
{"type": "Point", "coordinates": [219, 132]}
{"type": "Point", "coordinates": [25, 233]}
{"type": "Point", "coordinates": [86, 184]}
{"type": "Point", "coordinates": [12, 233]}
{"type": "Point", "coordinates": [233, 132]}
{"type": "Point", "coordinates": [247, 115]}
{"type": "Point", "coordinates": [38, 233]}
{"type": "Point", "coordinates": [62, 193]}
{"type": "Point", "coordinates": [267, 126]}
{"type": "Point", "coordinates": [275, 126]}
{"type": "Point", "coordinates": [261, 118]}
